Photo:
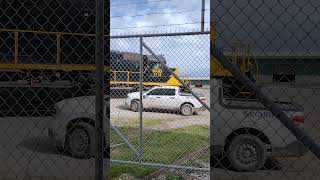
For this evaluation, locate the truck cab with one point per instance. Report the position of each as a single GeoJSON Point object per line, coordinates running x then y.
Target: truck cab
{"type": "Point", "coordinates": [246, 133]}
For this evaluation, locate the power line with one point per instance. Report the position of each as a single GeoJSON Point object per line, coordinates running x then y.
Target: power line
{"type": "Point", "coordinates": [155, 26]}
{"type": "Point", "coordinates": [142, 2]}
{"type": "Point", "coordinates": [156, 13]}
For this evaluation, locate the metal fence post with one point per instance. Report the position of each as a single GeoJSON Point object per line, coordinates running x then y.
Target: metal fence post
{"type": "Point", "coordinates": [202, 15]}
{"type": "Point", "coordinates": [141, 100]}
{"type": "Point", "coordinates": [99, 55]}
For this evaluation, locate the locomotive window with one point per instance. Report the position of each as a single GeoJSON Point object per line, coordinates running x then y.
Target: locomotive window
{"type": "Point", "coordinates": [156, 66]}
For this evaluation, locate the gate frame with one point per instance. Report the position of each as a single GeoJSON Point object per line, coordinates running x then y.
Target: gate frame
{"type": "Point", "coordinates": [139, 153]}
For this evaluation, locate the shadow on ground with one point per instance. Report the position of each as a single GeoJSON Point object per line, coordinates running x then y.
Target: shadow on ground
{"type": "Point", "coordinates": [123, 107]}
{"type": "Point", "coordinates": [45, 145]}
{"type": "Point", "coordinates": [223, 163]}
{"type": "Point", "coordinates": [42, 145]}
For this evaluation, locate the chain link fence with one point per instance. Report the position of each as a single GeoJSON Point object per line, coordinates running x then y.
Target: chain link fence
{"type": "Point", "coordinates": [47, 95]}
{"type": "Point", "coordinates": [170, 128]}
{"type": "Point", "coordinates": [264, 89]}
{"type": "Point", "coordinates": [50, 113]}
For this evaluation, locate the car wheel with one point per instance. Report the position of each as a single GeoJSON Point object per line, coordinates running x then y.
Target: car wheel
{"type": "Point", "coordinates": [187, 110]}
{"type": "Point", "coordinates": [135, 106]}
{"type": "Point", "coordinates": [80, 141]}
{"type": "Point", "coordinates": [247, 153]}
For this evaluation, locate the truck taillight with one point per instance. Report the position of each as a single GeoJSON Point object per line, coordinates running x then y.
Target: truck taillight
{"type": "Point", "coordinates": [298, 119]}
{"type": "Point", "coordinates": [203, 98]}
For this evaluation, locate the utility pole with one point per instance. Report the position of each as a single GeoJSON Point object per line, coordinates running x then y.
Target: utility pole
{"type": "Point", "coordinates": [202, 15]}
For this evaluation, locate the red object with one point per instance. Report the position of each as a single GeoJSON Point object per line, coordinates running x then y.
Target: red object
{"type": "Point", "coordinates": [298, 118]}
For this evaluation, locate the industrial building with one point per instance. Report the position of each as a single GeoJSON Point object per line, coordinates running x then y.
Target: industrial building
{"type": "Point", "coordinates": [288, 69]}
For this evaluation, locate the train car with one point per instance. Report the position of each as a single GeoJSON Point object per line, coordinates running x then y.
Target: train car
{"type": "Point", "coordinates": [125, 71]}
{"type": "Point", "coordinates": [47, 54]}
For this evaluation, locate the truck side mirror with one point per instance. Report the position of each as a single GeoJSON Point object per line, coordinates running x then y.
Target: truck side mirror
{"type": "Point", "coordinates": [144, 96]}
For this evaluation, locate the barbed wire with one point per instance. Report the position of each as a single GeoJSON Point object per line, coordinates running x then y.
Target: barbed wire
{"type": "Point", "coordinates": [142, 2]}
{"type": "Point", "coordinates": [161, 25]}
{"type": "Point", "coordinates": [159, 13]}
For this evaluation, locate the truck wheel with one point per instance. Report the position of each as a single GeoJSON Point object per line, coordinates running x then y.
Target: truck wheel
{"type": "Point", "coordinates": [186, 110]}
{"type": "Point", "coordinates": [135, 106]}
{"type": "Point", "coordinates": [80, 141]}
{"type": "Point", "coordinates": [247, 153]}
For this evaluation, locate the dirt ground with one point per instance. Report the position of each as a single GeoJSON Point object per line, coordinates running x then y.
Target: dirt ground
{"type": "Point", "coordinates": [27, 153]}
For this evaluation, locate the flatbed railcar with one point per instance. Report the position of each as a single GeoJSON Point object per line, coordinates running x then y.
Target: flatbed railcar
{"type": "Point", "coordinates": [47, 54]}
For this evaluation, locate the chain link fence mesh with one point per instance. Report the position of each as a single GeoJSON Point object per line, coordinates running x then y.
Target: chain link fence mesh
{"type": "Point", "coordinates": [47, 95]}
{"type": "Point", "coordinates": [275, 44]}
{"type": "Point", "coordinates": [47, 79]}
{"type": "Point", "coordinates": [172, 130]}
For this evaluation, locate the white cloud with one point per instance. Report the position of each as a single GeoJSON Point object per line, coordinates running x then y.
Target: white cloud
{"type": "Point", "coordinates": [190, 54]}
{"type": "Point", "coordinates": [160, 19]}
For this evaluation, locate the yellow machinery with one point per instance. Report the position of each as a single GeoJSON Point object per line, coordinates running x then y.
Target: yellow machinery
{"type": "Point", "coordinates": [16, 64]}
{"type": "Point", "coordinates": [72, 70]}
{"type": "Point", "coordinates": [240, 55]}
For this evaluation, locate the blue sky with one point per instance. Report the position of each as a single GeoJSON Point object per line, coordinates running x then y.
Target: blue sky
{"type": "Point", "coordinates": [189, 53]}
{"type": "Point", "coordinates": [118, 8]}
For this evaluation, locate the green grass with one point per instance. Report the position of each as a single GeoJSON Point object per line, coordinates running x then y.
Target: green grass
{"type": "Point", "coordinates": [133, 170]}
{"type": "Point", "coordinates": [135, 123]}
{"type": "Point", "coordinates": [173, 177]}
{"type": "Point", "coordinates": [159, 146]}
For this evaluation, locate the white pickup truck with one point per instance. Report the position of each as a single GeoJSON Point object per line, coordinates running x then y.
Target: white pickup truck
{"type": "Point", "coordinates": [246, 133]}
{"type": "Point", "coordinates": [241, 130]}
{"type": "Point", "coordinates": [167, 98]}
{"type": "Point", "coordinates": [72, 126]}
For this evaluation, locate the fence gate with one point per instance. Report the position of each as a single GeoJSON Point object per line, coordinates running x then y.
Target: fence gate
{"type": "Point", "coordinates": [170, 128]}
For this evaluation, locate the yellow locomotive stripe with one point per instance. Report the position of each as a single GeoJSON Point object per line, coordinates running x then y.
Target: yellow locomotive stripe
{"type": "Point", "coordinates": [63, 67]}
